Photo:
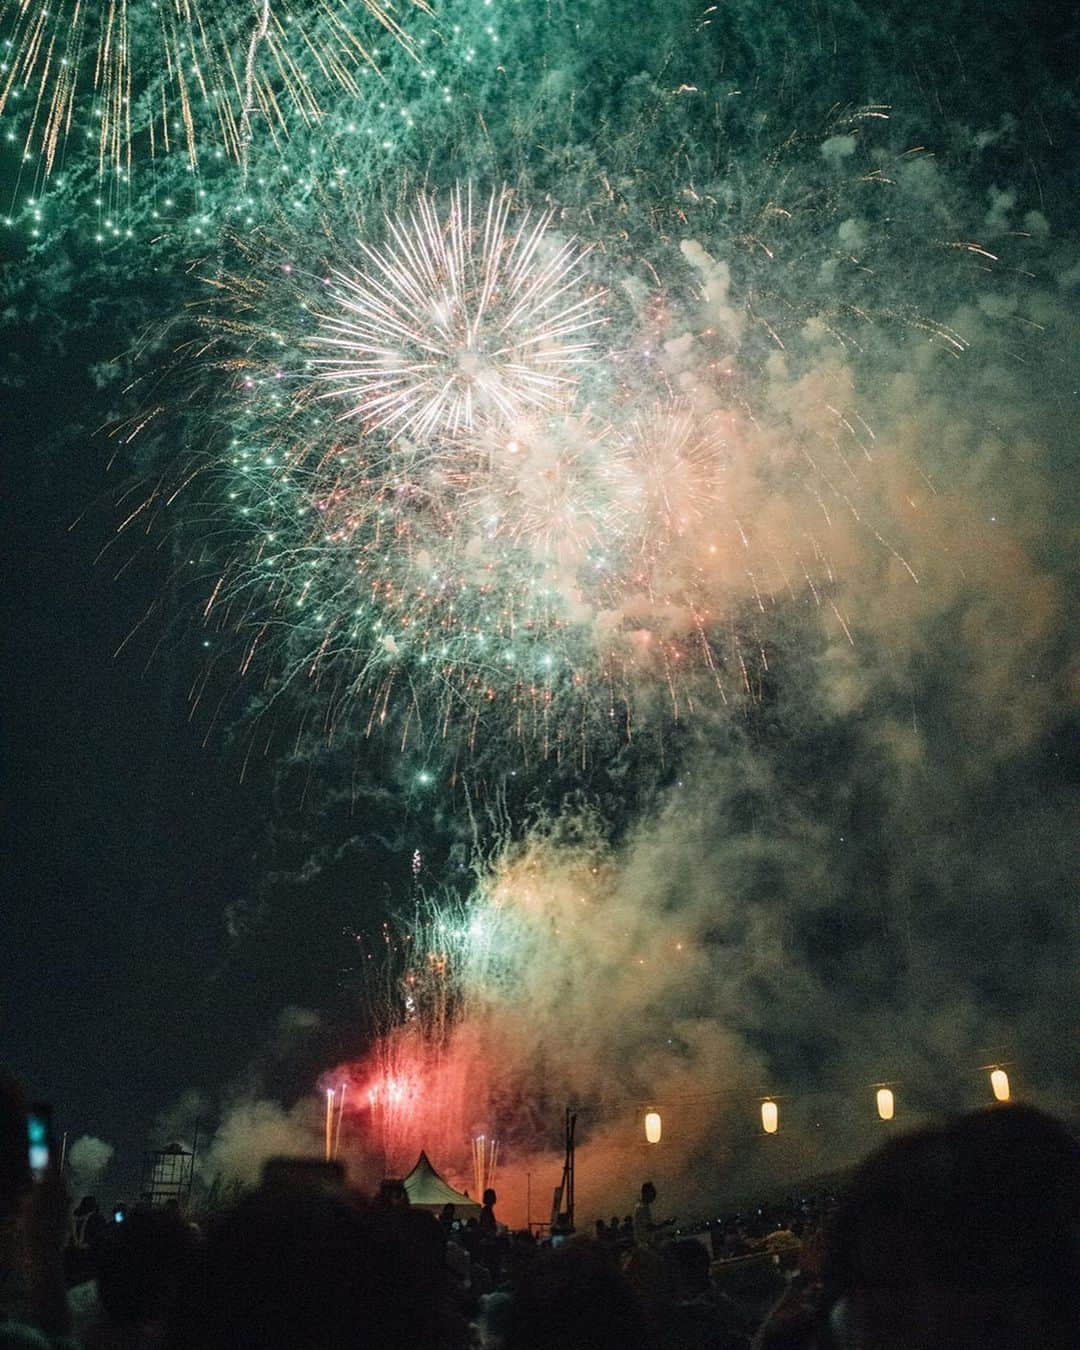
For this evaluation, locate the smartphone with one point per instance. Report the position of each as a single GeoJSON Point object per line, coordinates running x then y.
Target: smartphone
{"type": "Point", "coordinates": [39, 1139]}
{"type": "Point", "coordinates": [302, 1174]}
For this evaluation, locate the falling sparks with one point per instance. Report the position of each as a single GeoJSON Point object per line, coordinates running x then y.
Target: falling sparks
{"type": "Point", "coordinates": [210, 71]}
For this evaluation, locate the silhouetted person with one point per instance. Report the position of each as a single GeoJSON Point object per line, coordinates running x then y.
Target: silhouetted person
{"type": "Point", "coordinates": [392, 1194]}
{"type": "Point", "coordinates": [486, 1222]}
{"type": "Point", "coordinates": [699, 1317]}
{"type": "Point", "coordinates": [289, 1270]}
{"type": "Point", "coordinates": [645, 1227]}
{"type": "Point", "coordinates": [88, 1224]}
{"type": "Point", "coordinates": [144, 1265]}
{"type": "Point", "coordinates": [33, 1225]}
{"type": "Point", "coordinates": [961, 1238]}
{"type": "Point", "coordinates": [446, 1218]}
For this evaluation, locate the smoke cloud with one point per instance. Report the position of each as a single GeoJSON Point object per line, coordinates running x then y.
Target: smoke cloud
{"type": "Point", "coordinates": [853, 880]}
{"type": "Point", "coordinates": [87, 1159]}
{"type": "Point", "coordinates": [798, 820]}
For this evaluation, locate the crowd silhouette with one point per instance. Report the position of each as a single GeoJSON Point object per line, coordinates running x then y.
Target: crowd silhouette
{"type": "Point", "coordinates": [962, 1236]}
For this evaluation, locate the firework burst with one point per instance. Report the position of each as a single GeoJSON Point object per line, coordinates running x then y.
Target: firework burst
{"type": "Point", "coordinates": [458, 548]}
{"type": "Point", "coordinates": [679, 458]}
{"type": "Point", "coordinates": [555, 487]}
{"type": "Point", "coordinates": [462, 316]}
{"type": "Point", "coordinates": [482, 482]}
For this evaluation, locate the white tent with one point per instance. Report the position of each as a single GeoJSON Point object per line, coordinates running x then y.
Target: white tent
{"type": "Point", "coordinates": [427, 1190]}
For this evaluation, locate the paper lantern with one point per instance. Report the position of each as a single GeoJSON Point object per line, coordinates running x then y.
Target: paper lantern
{"type": "Point", "coordinates": [886, 1105]}
{"type": "Point", "coordinates": [653, 1126]}
{"type": "Point", "coordinates": [770, 1117]}
{"type": "Point", "coordinates": [999, 1081]}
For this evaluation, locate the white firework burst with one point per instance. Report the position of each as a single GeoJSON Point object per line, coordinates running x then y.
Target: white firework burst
{"type": "Point", "coordinates": [679, 459]}
{"type": "Point", "coordinates": [555, 487]}
{"type": "Point", "coordinates": [463, 316]}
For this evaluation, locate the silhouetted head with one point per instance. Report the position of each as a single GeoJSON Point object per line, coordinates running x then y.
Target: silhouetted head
{"type": "Point", "coordinates": [290, 1269]}
{"type": "Point", "coordinates": [392, 1194]}
{"type": "Point", "coordinates": [490, 1197]}
{"type": "Point", "coordinates": [144, 1264]}
{"type": "Point", "coordinates": [688, 1262]}
{"type": "Point", "coordinates": [961, 1237]}
{"type": "Point", "coordinates": [648, 1193]}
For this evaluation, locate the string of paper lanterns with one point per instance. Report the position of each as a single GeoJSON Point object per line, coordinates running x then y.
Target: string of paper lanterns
{"type": "Point", "coordinates": [884, 1099]}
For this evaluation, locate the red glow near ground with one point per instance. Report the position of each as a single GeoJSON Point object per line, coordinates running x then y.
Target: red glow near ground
{"type": "Point", "coordinates": [408, 1095]}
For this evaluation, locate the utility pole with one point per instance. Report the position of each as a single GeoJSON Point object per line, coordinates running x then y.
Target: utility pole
{"type": "Point", "coordinates": [568, 1169]}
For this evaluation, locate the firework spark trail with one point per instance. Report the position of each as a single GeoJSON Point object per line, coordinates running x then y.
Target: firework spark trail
{"type": "Point", "coordinates": [188, 47]}
{"type": "Point", "coordinates": [454, 321]}
{"type": "Point", "coordinates": [258, 35]}
{"type": "Point", "coordinates": [681, 471]}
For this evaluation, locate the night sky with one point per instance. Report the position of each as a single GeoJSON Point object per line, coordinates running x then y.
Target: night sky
{"type": "Point", "coordinates": [892, 811]}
